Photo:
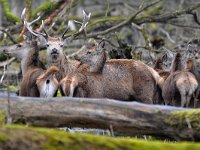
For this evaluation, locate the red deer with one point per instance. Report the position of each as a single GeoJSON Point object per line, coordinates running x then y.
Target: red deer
{"type": "Point", "coordinates": [36, 81]}
{"type": "Point", "coordinates": [120, 79]}
{"type": "Point", "coordinates": [179, 88]}
{"type": "Point", "coordinates": [55, 45]}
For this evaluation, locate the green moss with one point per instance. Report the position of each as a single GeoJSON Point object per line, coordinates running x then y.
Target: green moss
{"type": "Point", "coordinates": [2, 116]}
{"type": "Point", "coordinates": [179, 118]}
{"type": "Point", "coordinates": [7, 12]}
{"type": "Point", "coordinates": [105, 19]}
{"type": "Point", "coordinates": [2, 57]}
{"type": "Point", "coordinates": [55, 139]}
{"type": "Point", "coordinates": [3, 137]}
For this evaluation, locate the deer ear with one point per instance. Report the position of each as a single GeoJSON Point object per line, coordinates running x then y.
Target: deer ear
{"type": "Point", "coordinates": [101, 45]}
{"type": "Point", "coordinates": [41, 41]}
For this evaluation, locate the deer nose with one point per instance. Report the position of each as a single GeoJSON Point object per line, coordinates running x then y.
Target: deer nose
{"type": "Point", "coordinates": [54, 50]}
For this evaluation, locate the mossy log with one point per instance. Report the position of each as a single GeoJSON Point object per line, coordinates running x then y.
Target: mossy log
{"type": "Point", "coordinates": [23, 138]}
{"type": "Point", "coordinates": [125, 118]}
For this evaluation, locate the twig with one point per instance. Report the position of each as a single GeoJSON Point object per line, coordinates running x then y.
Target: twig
{"type": "Point", "coordinates": [194, 14]}
{"type": "Point", "coordinates": [4, 73]}
{"type": "Point", "coordinates": [53, 15]}
{"type": "Point", "coordinates": [7, 62]}
{"type": "Point", "coordinates": [167, 34]}
{"type": "Point", "coordinates": [183, 26]}
{"type": "Point", "coordinates": [158, 19]}
{"type": "Point", "coordinates": [124, 23]}
{"type": "Point", "coordinates": [166, 17]}
{"type": "Point", "coordinates": [9, 35]}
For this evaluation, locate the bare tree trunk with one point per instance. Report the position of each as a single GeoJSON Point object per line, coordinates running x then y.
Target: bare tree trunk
{"type": "Point", "coordinates": [126, 118]}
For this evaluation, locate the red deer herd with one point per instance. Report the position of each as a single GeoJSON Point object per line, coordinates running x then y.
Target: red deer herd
{"type": "Point", "coordinates": [92, 74]}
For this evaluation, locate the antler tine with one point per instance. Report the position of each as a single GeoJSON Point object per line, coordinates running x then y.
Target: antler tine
{"type": "Point", "coordinates": [86, 19]}
{"type": "Point", "coordinates": [45, 32]}
{"type": "Point", "coordinates": [63, 35]}
{"type": "Point", "coordinates": [83, 24]}
{"type": "Point", "coordinates": [28, 24]}
{"type": "Point", "coordinates": [32, 22]}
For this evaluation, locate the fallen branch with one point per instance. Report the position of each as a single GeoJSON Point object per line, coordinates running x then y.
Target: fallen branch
{"type": "Point", "coordinates": [126, 118]}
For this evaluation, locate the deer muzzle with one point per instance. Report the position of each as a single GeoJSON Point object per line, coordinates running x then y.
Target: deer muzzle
{"type": "Point", "coordinates": [54, 51]}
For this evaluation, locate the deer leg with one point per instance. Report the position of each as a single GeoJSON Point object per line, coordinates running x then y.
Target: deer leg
{"type": "Point", "coordinates": [183, 100]}
{"type": "Point", "coordinates": [195, 96]}
{"type": "Point", "coordinates": [188, 98]}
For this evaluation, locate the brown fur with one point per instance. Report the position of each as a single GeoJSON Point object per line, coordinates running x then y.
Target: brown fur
{"type": "Point", "coordinates": [60, 60]}
{"type": "Point", "coordinates": [120, 79]}
{"type": "Point", "coordinates": [176, 63]}
{"type": "Point", "coordinates": [33, 75]}
{"type": "Point", "coordinates": [194, 67]}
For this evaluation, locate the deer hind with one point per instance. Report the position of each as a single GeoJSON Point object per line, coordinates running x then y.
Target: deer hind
{"type": "Point", "coordinates": [180, 83]}
{"type": "Point", "coordinates": [118, 78]}
{"type": "Point", "coordinates": [55, 53]}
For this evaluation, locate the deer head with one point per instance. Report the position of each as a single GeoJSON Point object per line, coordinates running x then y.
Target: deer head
{"type": "Point", "coordinates": [55, 45]}
{"type": "Point", "coordinates": [167, 59]}
{"type": "Point", "coordinates": [95, 57]}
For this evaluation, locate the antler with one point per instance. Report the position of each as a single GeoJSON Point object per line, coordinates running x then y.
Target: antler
{"type": "Point", "coordinates": [83, 24]}
{"type": "Point", "coordinates": [28, 25]}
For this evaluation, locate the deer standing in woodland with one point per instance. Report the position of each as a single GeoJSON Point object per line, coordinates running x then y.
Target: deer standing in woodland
{"type": "Point", "coordinates": [116, 78]}
{"type": "Point", "coordinates": [180, 86]}
{"type": "Point", "coordinates": [55, 45]}
{"type": "Point", "coordinates": [36, 81]}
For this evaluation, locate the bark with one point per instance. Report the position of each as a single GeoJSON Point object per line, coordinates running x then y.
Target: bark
{"type": "Point", "coordinates": [125, 118]}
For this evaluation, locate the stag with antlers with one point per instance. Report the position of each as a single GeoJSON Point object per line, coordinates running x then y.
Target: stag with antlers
{"type": "Point", "coordinates": [55, 45]}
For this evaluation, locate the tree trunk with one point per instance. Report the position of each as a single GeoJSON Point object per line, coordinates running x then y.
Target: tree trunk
{"type": "Point", "coordinates": [125, 118]}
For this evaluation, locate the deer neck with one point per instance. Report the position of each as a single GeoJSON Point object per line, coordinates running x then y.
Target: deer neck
{"type": "Point", "coordinates": [177, 63]}
{"type": "Point", "coordinates": [30, 60]}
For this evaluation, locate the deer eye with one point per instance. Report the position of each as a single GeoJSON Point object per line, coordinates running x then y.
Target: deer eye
{"type": "Point", "coordinates": [47, 45]}
{"type": "Point", "coordinates": [61, 45]}
{"type": "Point", "coordinates": [89, 52]}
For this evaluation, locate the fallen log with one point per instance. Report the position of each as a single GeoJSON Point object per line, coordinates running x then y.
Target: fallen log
{"type": "Point", "coordinates": [126, 118]}
{"type": "Point", "coordinates": [23, 138]}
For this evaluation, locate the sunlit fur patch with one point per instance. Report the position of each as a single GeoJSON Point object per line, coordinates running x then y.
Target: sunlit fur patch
{"type": "Point", "coordinates": [65, 84]}
{"type": "Point", "coordinates": [48, 89]}
{"type": "Point", "coordinates": [68, 86]}
{"type": "Point", "coordinates": [47, 83]}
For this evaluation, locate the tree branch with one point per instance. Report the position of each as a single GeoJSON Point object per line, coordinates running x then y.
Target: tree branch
{"type": "Point", "coordinates": [9, 35]}
{"type": "Point", "coordinates": [140, 20]}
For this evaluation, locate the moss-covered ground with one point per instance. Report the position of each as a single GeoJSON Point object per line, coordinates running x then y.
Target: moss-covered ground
{"type": "Point", "coordinates": [14, 136]}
